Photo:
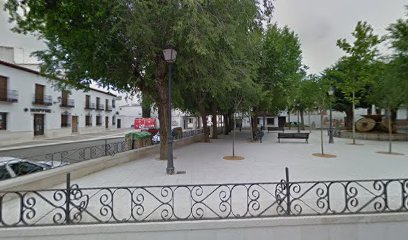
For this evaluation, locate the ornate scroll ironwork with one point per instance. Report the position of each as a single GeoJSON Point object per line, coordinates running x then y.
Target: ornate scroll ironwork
{"type": "Point", "coordinates": [75, 205]}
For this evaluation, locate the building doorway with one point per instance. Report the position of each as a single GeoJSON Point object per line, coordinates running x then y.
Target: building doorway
{"type": "Point", "coordinates": [38, 124]}
{"type": "Point", "coordinates": [74, 124]}
{"type": "Point", "coordinates": [106, 122]}
{"type": "Point", "coordinates": [281, 121]}
{"type": "Point", "coordinates": [118, 123]}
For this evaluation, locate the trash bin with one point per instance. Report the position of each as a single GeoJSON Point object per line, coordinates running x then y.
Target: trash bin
{"type": "Point", "coordinates": [138, 139]}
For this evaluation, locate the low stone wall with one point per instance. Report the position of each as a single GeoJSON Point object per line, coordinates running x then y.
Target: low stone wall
{"type": "Point", "coordinates": [372, 136]}
{"type": "Point", "coordinates": [359, 227]}
{"type": "Point", "coordinates": [52, 177]}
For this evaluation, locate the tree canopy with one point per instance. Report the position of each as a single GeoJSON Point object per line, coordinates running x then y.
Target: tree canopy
{"type": "Point", "coordinates": [118, 44]}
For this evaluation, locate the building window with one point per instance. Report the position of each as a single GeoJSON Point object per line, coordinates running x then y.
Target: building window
{"type": "Point", "coordinates": [98, 121]}
{"type": "Point", "coordinates": [39, 94]}
{"type": "Point", "coordinates": [113, 120]}
{"type": "Point", "coordinates": [113, 103]}
{"type": "Point", "coordinates": [88, 120]}
{"type": "Point", "coordinates": [3, 121]}
{"type": "Point", "coordinates": [98, 103]}
{"type": "Point", "coordinates": [270, 121]}
{"type": "Point", "coordinates": [3, 88]}
{"type": "Point", "coordinates": [64, 121]}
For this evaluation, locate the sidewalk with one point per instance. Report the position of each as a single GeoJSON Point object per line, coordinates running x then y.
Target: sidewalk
{"type": "Point", "coordinates": [264, 162]}
{"type": "Point", "coordinates": [68, 139]}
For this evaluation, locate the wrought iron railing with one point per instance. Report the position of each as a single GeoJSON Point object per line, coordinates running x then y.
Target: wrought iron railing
{"type": "Point", "coordinates": [81, 154]}
{"type": "Point", "coordinates": [7, 95]}
{"type": "Point", "coordinates": [108, 108]}
{"type": "Point", "coordinates": [136, 204]}
{"type": "Point", "coordinates": [100, 106]}
{"type": "Point", "coordinates": [45, 100]}
{"type": "Point", "coordinates": [91, 152]}
{"type": "Point", "coordinates": [70, 103]}
{"type": "Point", "coordinates": [90, 106]}
{"type": "Point", "coordinates": [191, 133]}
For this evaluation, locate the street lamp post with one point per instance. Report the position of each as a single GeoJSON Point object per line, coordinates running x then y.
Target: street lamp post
{"type": "Point", "coordinates": [170, 57]}
{"type": "Point", "coordinates": [331, 92]}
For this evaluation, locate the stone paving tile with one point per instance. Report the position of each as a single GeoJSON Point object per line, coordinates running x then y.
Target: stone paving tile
{"type": "Point", "coordinates": [264, 162]}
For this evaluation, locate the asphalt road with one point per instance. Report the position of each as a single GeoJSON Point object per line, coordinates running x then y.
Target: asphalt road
{"type": "Point", "coordinates": [69, 152]}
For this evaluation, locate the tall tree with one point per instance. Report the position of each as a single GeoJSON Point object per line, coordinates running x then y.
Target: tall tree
{"type": "Point", "coordinates": [119, 43]}
{"type": "Point", "coordinates": [398, 37]}
{"type": "Point", "coordinates": [359, 56]}
{"type": "Point", "coordinates": [279, 71]}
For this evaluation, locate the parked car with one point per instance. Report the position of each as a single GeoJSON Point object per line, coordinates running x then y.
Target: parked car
{"type": "Point", "coordinates": [11, 167]}
{"type": "Point", "coordinates": [156, 138]}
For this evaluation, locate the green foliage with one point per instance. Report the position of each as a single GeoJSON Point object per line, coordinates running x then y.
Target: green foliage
{"type": "Point", "coordinates": [356, 65]}
{"type": "Point", "coordinates": [308, 94]}
{"type": "Point", "coordinates": [280, 68]}
{"type": "Point", "coordinates": [388, 92]}
{"type": "Point", "coordinates": [397, 69]}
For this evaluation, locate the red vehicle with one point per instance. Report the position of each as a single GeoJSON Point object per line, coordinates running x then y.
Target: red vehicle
{"type": "Point", "coordinates": [146, 124]}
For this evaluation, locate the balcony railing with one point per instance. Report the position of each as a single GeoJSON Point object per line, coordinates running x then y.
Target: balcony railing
{"type": "Point", "coordinates": [46, 100]}
{"type": "Point", "coordinates": [90, 106]}
{"type": "Point", "coordinates": [7, 95]}
{"type": "Point", "coordinates": [100, 107]}
{"type": "Point", "coordinates": [108, 108]}
{"type": "Point", "coordinates": [70, 103]}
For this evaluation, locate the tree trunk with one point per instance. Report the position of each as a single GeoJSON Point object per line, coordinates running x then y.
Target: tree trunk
{"type": "Point", "coordinates": [161, 84]}
{"type": "Point", "coordinates": [205, 127]}
{"type": "Point", "coordinates": [264, 122]}
{"type": "Point", "coordinates": [321, 131]}
{"type": "Point", "coordinates": [394, 119]}
{"type": "Point", "coordinates": [231, 120]}
{"type": "Point", "coordinates": [349, 118]}
{"type": "Point", "coordinates": [354, 125]}
{"type": "Point", "coordinates": [389, 130]}
{"type": "Point", "coordinates": [214, 122]}
{"type": "Point", "coordinates": [254, 123]}
{"type": "Point", "coordinates": [146, 107]}
{"type": "Point", "coordinates": [302, 119]}
{"type": "Point", "coordinates": [226, 124]}
{"type": "Point", "coordinates": [289, 120]}
{"type": "Point", "coordinates": [370, 110]}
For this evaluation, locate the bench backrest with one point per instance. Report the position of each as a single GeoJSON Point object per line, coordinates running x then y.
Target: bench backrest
{"type": "Point", "coordinates": [294, 135]}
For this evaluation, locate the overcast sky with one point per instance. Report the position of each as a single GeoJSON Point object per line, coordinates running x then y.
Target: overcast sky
{"type": "Point", "coordinates": [319, 23]}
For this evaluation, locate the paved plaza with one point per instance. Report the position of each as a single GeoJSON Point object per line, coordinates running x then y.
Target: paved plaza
{"type": "Point", "coordinates": [264, 162]}
{"type": "Point", "coordinates": [142, 195]}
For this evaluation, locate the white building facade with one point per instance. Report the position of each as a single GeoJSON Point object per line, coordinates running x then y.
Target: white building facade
{"type": "Point", "coordinates": [31, 107]}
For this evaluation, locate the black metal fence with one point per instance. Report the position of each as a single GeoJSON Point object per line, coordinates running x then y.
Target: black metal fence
{"type": "Point", "coordinates": [92, 152]}
{"type": "Point", "coordinates": [136, 204]}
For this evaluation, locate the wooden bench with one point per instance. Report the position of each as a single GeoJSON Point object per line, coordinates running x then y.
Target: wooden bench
{"type": "Point", "coordinates": [294, 136]}
{"type": "Point", "coordinates": [270, 129]}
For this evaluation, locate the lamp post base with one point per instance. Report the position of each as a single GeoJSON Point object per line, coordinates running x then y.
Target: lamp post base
{"type": "Point", "coordinates": [170, 171]}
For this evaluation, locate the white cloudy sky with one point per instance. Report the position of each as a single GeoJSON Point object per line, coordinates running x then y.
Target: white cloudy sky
{"type": "Point", "coordinates": [319, 23]}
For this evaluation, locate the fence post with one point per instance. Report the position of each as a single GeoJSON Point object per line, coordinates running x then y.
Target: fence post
{"type": "Point", "coordinates": [68, 199]}
{"type": "Point", "coordinates": [106, 147]}
{"type": "Point", "coordinates": [287, 183]}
